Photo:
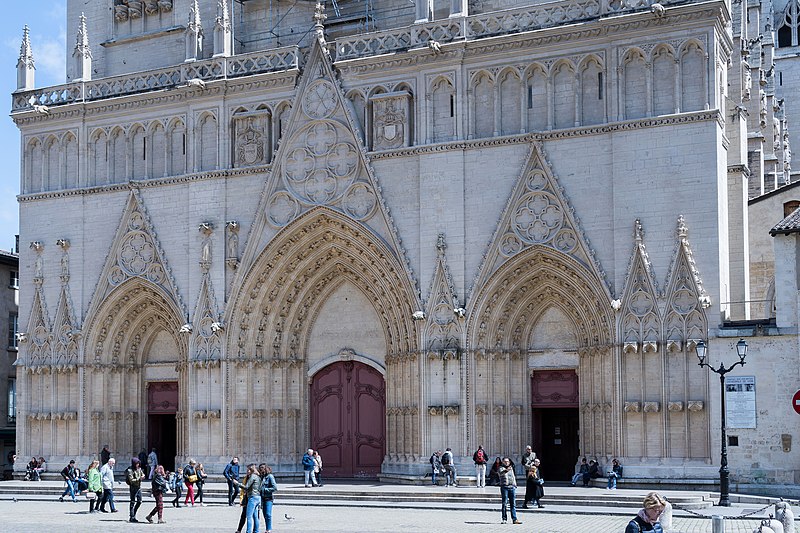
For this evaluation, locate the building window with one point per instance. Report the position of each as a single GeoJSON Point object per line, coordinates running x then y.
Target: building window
{"type": "Point", "coordinates": [790, 207]}
{"type": "Point", "coordinates": [12, 331]}
{"type": "Point", "coordinates": [12, 400]}
{"type": "Point", "coordinates": [14, 281]}
{"type": "Point", "coordinates": [789, 25]}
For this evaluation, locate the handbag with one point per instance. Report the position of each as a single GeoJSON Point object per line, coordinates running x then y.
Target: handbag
{"type": "Point", "coordinates": [91, 495]}
{"type": "Point", "coordinates": [192, 478]}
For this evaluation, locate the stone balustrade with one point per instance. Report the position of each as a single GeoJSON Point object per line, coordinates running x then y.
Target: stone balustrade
{"type": "Point", "coordinates": [533, 17]}
{"type": "Point", "coordinates": [275, 60]}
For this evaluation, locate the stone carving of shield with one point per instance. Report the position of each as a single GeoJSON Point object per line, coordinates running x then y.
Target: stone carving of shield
{"type": "Point", "coordinates": [390, 132]}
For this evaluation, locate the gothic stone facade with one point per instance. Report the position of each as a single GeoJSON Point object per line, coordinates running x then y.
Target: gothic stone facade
{"type": "Point", "coordinates": [437, 235]}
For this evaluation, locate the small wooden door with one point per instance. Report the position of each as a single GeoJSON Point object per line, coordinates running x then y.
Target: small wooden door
{"type": "Point", "coordinates": [348, 413]}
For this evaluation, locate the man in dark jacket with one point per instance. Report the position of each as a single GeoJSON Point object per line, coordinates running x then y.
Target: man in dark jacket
{"type": "Point", "coordinates": [134, 475]}
{"type": "Point", "coordinates": [231, 474]}
{"type": "Point", "coordinates": [70, 475]}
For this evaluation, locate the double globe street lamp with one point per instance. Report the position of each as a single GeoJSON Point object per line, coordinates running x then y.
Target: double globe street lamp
{"type": "Point", "coordinates": [724, 473]}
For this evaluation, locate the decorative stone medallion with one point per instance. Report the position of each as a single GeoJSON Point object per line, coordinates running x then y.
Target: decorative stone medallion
{"type": "Point", "coordinates": [319, 100]}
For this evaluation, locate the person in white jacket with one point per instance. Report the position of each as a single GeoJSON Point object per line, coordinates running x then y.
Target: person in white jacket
{"type": "Point", "coordinates": [107, 479]}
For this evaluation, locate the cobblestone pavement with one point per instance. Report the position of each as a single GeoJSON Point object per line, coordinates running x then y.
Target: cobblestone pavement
{"type": "Point", "coordinates": [38, 517]}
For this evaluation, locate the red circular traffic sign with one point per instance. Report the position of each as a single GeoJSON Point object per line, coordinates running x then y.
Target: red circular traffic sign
{"type": "Point", "coordinates": [796, 402]}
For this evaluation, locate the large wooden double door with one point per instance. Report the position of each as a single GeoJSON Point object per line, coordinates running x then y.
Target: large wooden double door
{"type": "Point", "coordinates": [348, 419]}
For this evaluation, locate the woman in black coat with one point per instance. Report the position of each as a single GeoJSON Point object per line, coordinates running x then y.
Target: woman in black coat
{"type": "Point", "coordinates": [534, 486]}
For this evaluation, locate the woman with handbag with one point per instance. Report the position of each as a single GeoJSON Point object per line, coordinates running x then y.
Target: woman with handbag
{"type": "Point", "coordinates": [95, 490]}
{"type": "Point", "coordinates": [189, 479]}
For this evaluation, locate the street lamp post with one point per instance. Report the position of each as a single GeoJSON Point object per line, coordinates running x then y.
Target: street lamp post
{"type": "Point", "coordinates": [724, 473]}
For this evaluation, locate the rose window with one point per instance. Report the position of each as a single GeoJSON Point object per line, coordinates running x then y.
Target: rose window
{"type": "Point", "coordinates": [538, 217]}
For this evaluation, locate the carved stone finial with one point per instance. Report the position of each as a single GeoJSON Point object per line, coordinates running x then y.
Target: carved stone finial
{"type": "Point", "coordinates": [638, 231]}
{"type": "Point", "coordinates": [25, 67]}
{"type": "Point", "coordinates": [206, 228]}
{"type": "Point", "coordinates": [223, 42]}
{"type": "Point", "coordinates": [319, 15]}
{"type": "Point", "coordinates": [82, 54]}
{"type": "Point", "coordinates": [683, 229]}
{"type": "Point", "coordinates": [63, 244]}
{"type": "Point", "coordinates": [441, 245]}
{"type": "Point", "coordinates": [194, 34]}
{"type": "Point", "coordinates": [37, 246]}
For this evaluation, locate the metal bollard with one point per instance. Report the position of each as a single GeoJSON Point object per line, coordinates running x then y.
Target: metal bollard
{"type": "Point", "coordinates": [717, 524]}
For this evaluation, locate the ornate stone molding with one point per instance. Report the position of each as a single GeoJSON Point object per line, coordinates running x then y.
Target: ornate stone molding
{"type": "Point", "coordinates": [695, 406]}
{"type": "Point", "coordinates": [436, 410]}
{"type": "Point", "coordinates": [651, 407]}
{"type": "Point", "coordinates": [675, 407]}
{"type": "Point", "coordinates": [631, 407]}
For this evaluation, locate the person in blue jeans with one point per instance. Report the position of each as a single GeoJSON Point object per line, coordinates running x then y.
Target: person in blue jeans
{"type": "Point", "coordinates": [252, 488]}
{"type": "Point", "coordinates": [308, 469]}
{"type": "Point", "coordinates": [268, 488]}
{"type": "Point", "coordinates": [70, 476]}
{"type": "Point", "coordinates": [614, 474]}
{"type": "Point", "coordinates": [508, 490]}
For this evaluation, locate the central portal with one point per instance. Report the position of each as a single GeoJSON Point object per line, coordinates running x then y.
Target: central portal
{"type": "Point", "coordinates": [348, 413]}
{"type": "Point", "coordinates": [162, 428]}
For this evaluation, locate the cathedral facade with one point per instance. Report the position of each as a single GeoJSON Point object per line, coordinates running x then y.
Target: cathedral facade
{"type": "Point", "coordinates": [394, 229]}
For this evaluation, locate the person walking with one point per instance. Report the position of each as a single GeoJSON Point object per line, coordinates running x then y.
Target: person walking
{"type": "Point", "coordinates": [268, 488]}
{"type": "Point", "coordinates": [318, 467]}
{"type": "Point", "coordinates": [231, 475]}
{"type": "Point", "coordinates": [614, 474]}
{"type": "Point", "coordinates": [534, 486]}
{"type": "Point", "coordinates": [508, 490]}
{"type": "Point", "coordinates": [479, 458]}
{"type": "Point", "coordinates": [152, 462]}
{"type": "Point", "coordinates": [70, 475]}
{"type": "Point", "coordinates": [308, 468]}
{"type": "Point", "coordinates": [95, 489]}
{"type": "Point", "coordinates": [527, 458]}
{"type": "Point", "coordinates": [436, 466]}
{"type": "Point", "coordinates": [176, 484]}
{"type": "Point", "coordinates": [450, 473]}
{"type": "Point", "coordinates": [647, 517]}
{"type": "Point", "coordinates": [189, 479]}
{"type": "Point", "coordinates": [201, 481]}
{"type": "Point", "coordinates": [107, 479]}
{"type": "Point", "coordinates": [159, 486]}
{"type": "Point", "coordinates": [252, 487]}
{"type": "Point", "coordinates": [134, 475]}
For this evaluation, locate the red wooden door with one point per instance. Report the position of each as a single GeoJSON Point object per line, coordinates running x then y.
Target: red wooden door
{"type": "Point", "coordinates": [348, 412]}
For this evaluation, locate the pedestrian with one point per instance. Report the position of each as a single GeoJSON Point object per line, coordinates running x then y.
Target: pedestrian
{"type": "Point", "coordinates": [534, 486]}
{"type": "Point", "coordinates": [318, 467]}
{"type": "Point", "coordinates": [201, 481]}
{"type": "Point", "coordinates": [647, 518]}
{"type": "Point", "coordinates": [479, 458]}
{"type": "Point", "coordinates": [70, 475]}
{"type": "Point", "coordinates": [176, 484]}
{"type": "Point", "coordinates": [527, 458]}
{"type": "Point", "coordinates": [508, 490]}
{"type": "Point", "coordinates": [152, 462]}
{"type": "Point", "coordinates": [268, 488]}
{"type": "Point", "coordinates": [436, 466]}
{"type": "Point", "coordinates": [231, 475]}
{"type": "Point", "coordinates": [252, 487]}
{"type": "Point", "coordinates": [143, 460]}
{"type": "Point", "coordinates": [107, 479]}
{"type": "Point", "coordinates": [308, 468]}
{"type": "Point", "coordinates": [614, 474]}
{"type": "Point", "coordinates": [105, 455]}
{"type": "Point", "coordinates": [581, 474]}
{"type": "Point", "coordinates": [134, 475]}
{"type": "Point", "coordinates": [95, 489]}
{"type": "Point", "coordinates": [450, 473]}
{"type": "Point", "coordinates": [159, 486]}
{"type": "Point", "coordinates": [494, 472]}
{"type": "Point", "coordinates": [189, 479]}
{"type": "Point", "coordinates": [243, 503]}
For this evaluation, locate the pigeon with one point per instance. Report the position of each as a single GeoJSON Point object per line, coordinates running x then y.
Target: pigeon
{"type": "Point", "coordinates": [657, 9]}
{"type": "Point", "coordinates": [41, 109]}
{"type": "Point", "coordinates": [196, 82]}
{"type": "Point", "coordinates": [287, 517]}
{"type": "Point", "coordinates": [435, 46]}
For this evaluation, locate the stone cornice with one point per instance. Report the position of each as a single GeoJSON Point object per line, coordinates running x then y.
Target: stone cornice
{"type": "Point", "coordinates": [216, 89]}
{"type": "Point", "coordinates": [530, 40]}
{"type": "Point", "coordinates": [144, 184]}
{"type": "Point", "coordinates": [682, 118]}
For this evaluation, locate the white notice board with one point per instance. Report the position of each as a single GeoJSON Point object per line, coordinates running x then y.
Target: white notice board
{"type": "Point", "coordinates": [740, 402]}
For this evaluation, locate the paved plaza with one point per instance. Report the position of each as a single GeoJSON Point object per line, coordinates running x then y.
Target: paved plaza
{"type": "Point", "coordinates": [38, 516]}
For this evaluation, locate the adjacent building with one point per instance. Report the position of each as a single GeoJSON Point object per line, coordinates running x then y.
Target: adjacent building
{"type": "Point", "coordinates": [385, 228]}
{"type": "Point", "coordinates": [9, 321]}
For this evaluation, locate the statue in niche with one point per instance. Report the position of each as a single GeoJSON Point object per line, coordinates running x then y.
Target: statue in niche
{"type": "Point", "coordinates": [232, 246]}
{"type": "Point", "coordinates": [748, 82]}
{"type": "Point", "coordinates": [250, 144]}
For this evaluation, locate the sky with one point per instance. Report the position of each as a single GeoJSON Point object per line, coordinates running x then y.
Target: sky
{"type": "Point", "coordinates": [48, 29]}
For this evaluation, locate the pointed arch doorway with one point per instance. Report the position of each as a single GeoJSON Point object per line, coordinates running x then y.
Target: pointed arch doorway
{"type": "Point", "coordinates": [348, 413]}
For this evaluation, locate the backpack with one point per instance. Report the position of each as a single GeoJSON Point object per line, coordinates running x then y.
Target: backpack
{"type": "Point", "coordinates": [481, 457]}
{"type": "Point", "coordinates": [446, 459]}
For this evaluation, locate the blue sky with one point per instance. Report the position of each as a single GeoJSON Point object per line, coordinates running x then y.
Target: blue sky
{"type": "Point", "coordinates": [47, 22]}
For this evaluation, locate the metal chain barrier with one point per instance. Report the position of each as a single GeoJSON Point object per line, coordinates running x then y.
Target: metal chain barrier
{"type": "Point", "coordinates": [757, 511]}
